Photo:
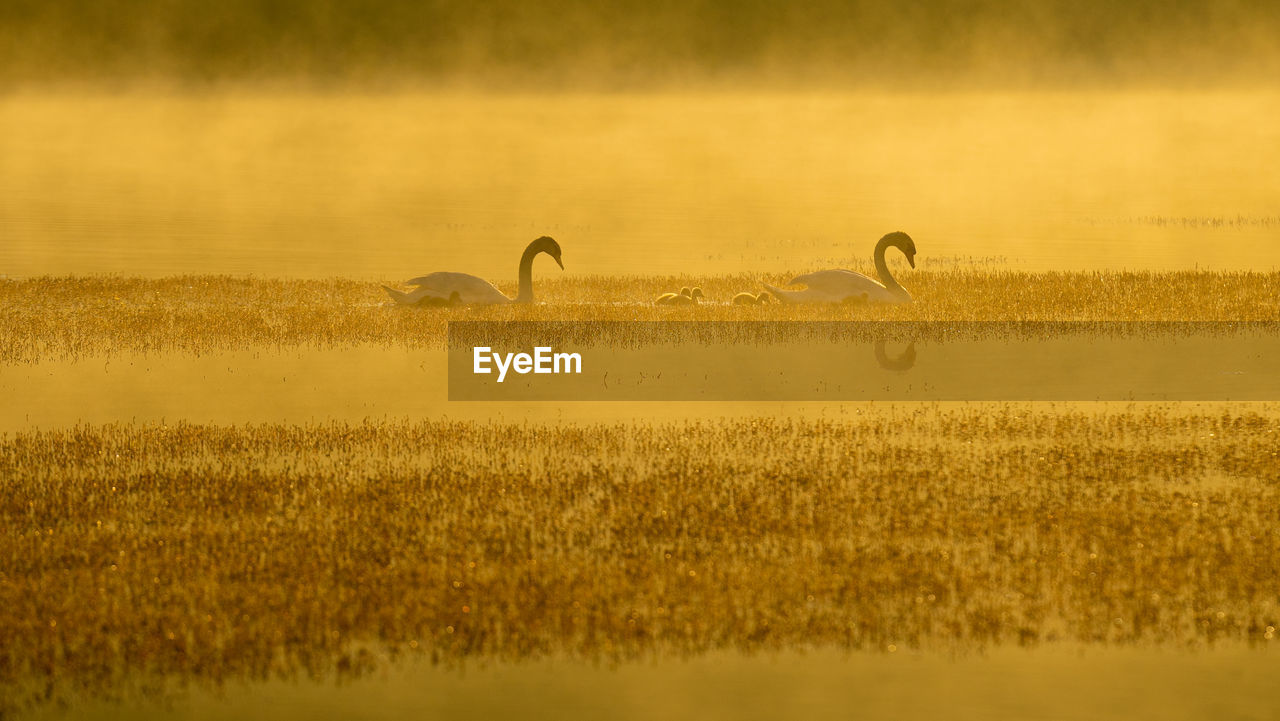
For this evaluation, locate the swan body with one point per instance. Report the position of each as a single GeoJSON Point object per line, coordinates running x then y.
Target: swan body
{"type": "Point", "coordinates": [751, 299]}
{"type": "Point", "coordinates": [669, 298]}
{"type": "Point", "coordinates": [690, 299]}
{"type": "Point", "coordinates": [837, 286]}
{"type": "Point", "coordinates": [439, 286]}
{"type": "Point", "coordinates": [686, 296]}
{"type": "Point", "coordinates": [473, 290]}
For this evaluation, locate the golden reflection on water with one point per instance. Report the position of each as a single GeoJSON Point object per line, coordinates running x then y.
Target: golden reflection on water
{"type": "Point", "coordinates": [390, 186]}
{"type": "Point", "coordinates": [363, 382]}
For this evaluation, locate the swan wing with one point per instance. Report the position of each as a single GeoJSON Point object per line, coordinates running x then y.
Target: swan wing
{"type": "Point", "coordinates": [808, 295]}
{"type": "Point", "coordinates": [842, 283]}
{"type": "Point", "coordinates": [471, 290]}
{"type": "Point", "coordinates": [833, 286]}
{"type": "Point", "coordinates": [404, 298]}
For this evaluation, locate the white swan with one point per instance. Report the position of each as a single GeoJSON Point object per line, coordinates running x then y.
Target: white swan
{"type": "Point", "coordinates": [835, 286]}
{"type": "Point", "coordinates": [478, 291]}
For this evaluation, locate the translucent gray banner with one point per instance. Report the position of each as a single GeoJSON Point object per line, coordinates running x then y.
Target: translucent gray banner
{"type": "Point", "coordinates": [856, 361]}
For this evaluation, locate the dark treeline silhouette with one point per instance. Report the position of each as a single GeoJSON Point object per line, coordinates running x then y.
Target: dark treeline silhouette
{"type": "Point", "coordinates": [637, 42]}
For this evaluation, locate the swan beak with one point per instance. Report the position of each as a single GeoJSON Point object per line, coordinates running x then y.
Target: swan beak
{"type": "Point", "coordinates": [911, 260]}
{"type": "Point", "coordinates": [558, 261]}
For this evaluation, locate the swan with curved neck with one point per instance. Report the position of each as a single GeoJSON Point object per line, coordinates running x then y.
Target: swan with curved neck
{"type": "Point", "coordinates": [835, 286]}
{"type": "Point", "coordinates": [472, 290]}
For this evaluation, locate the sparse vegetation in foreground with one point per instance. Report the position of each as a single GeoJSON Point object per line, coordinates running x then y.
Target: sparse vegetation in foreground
{"type": "Point", "coordinates": [210, 553]}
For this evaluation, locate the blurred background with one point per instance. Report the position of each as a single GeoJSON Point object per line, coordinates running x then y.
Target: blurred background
{"type": "Point", "coordinates": [638, 43]}
{"type": "Point", "coordinates": [383, 140]}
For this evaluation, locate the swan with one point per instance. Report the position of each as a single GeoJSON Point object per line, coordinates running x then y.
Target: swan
{"type": "Point", "coordinates": [834, 286]}
{"type": "Point", "coordinates": [478, 291]}
{"type": "Point", "coordinates": [690, 298]}
{"type": "Point", "coordinates": [686, 296]}
{"type": "Point", "coordinates": [669, 298]}
{"type": "Point", "coordinates": [751, 299]}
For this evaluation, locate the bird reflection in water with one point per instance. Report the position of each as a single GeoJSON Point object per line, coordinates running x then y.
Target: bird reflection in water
{"type": "Point", "coordinates": [900, 363]}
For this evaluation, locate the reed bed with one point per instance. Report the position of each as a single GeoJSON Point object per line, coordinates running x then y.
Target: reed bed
{"type": "Point", "coordinates": [92, 316]}
{"type": "Point", "coordinates": [188, 553]}
{"type": "Point", "coordinates": [1230, 222]}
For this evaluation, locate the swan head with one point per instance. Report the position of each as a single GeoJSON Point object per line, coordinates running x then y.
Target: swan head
{"type": "Point", "coordinates": [903, 242]}
{"type": "Point", "coordinates": [546, 244]}
{"type": "Point", "coordinates": [696, 293]}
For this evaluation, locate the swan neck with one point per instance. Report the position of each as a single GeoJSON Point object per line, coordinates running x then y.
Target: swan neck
{"type": "Point", "coordinates": [524, 291]}
{"type": "Point", "coordinates": [882, 268]}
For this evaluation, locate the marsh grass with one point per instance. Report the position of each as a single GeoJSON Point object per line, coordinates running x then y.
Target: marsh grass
{"type": "Point", "coordinates": [148, 556]}
{"type": "Point", "coordinates": [72, 317]}
{"type": "Point", "coordinates": [201, 554]}
{"type": "Point", "coordinates": [1228, 222]}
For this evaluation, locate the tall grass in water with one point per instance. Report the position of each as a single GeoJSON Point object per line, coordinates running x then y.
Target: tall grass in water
{"type": "Point", "coordinates": [84, 316]}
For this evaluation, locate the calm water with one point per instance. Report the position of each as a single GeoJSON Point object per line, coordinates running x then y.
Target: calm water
{"type": "Point", "coordinates": [392, 186]}
{"type": "Point", "coordinates": [353, 384]}
{"type": "Point", "coordinates": [1047, 683]}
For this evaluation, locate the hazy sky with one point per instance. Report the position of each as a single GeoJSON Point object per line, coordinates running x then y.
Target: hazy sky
{"type": "Point", "coordinates": [630, 43]}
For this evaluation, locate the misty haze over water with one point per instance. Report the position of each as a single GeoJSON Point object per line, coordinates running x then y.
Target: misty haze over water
{"type": "Point", "coordinates": [632, 43]}
{"type": "Point", "coordinates": [374, 139]}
